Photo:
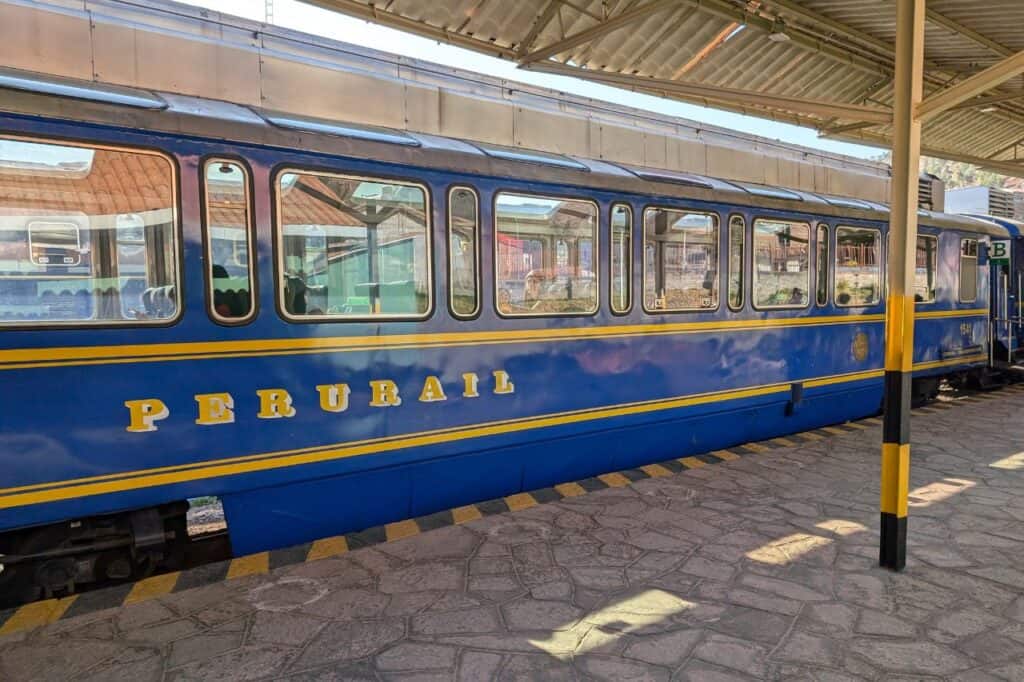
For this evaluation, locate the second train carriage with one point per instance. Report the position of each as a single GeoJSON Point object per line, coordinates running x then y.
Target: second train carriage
{"type": "Point", "coordinates": [1007, 296]}
{"type": "Point", "coordinates": [331, 326]}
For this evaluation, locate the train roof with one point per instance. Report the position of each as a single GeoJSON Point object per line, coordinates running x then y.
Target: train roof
{"type": "Point", "coordinates": [44, 95]}
{"type": "Point", "coordinates": [1015, 228]}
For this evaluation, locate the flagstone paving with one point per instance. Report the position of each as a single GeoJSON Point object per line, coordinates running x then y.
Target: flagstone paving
{"type": "Point", "coordinates": [763, 567]}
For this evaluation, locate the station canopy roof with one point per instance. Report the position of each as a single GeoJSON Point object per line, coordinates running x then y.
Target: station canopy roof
{"type": "Point", "coordinates": [826, 64]}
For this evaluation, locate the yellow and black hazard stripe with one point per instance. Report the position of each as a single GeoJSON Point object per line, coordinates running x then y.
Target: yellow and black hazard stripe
{"type": "Point", "coordinates": [51, 610]}
{"type": "Point", "coordinates": [895, 487]}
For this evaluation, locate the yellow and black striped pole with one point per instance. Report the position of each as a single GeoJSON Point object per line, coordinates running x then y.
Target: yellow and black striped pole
{"type": "Point", "coordinates": [899, 317]}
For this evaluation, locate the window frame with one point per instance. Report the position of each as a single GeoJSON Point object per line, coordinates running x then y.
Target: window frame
{"type": "Point", "coordinates": [753, 263]}
{"type": "Point", "coordinates": [643, 259]}
{"type": "Point", "coordinates": [960, 269]}
{"type": "Point", "coordinates": [829, 271]}
{"type": "Point", "coordinates": [880, 265]}
{"type": "Point", "coordinates": [275, 187]}
{"type": "Point", "coordinates": [630, 231]}
{"type": "Point", "coordinates": [494, 251]}
{"type": "Point", "coordinates": [176, 232]}
{"type": "Point", "coordinates": [477, 261]}
{"type": "Point", "coordinates": [743, 263]}
{"type": "Point", "coordinates": [935, 275]}
{"type": "Point", "coordinates": [250, 230]}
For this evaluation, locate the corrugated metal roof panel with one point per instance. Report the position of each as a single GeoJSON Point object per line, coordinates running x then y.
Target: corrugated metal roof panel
{"type": "Point", "coordinates": [839, 50]}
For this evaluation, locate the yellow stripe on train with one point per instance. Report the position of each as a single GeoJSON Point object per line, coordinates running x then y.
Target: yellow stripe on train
{"type": "Point", "coordinates": [118, 482]}
{"type": "Point", "coordinates": [87, 355]}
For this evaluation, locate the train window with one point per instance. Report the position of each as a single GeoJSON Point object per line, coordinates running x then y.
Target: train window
{"type": "Point", "coordinates": [463, 251]}
{"type": "Point", "coordinates": [782, 271]}
{"type": "Point", "coordinates": [737, 240]}
{"type": "Point", "coordinates": [821, 295]}
{"type": "Point", "coordinates": [229, 241]}
{"type": "Point", "coordinates": [88, 235]}
{"type": "Point", "coordinates": [622, 258]}
{"type": "Point", "coordinates": [858, 266]}
{"type": "Point", "coordinates": [544, 255]}
{"type": "Point", "coordinates": [968, 270]}
{"type": "Point", "coordinates": [352, 247]}
{"type": "Point", "coordinates": [924, 268]}
{"type": "Point", "coordinates": [680, 260]}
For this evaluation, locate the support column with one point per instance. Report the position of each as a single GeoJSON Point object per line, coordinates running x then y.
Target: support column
{"type": "Point", "coordinates": [899, 317]}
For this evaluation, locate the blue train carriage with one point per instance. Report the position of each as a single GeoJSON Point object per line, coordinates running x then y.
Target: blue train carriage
{"type": "Point", "coordinates": [331, 326]}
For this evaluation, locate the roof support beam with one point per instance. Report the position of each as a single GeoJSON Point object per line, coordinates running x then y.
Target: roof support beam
{"type": "Point", "coordinates": [731, 12]}
{"type": "Point", "coordinates": [798, 10]}
{"type": "Point", "coordinates": [721, 94]}
{"type": "Point", "coordinates": [539, 25]}
{"type": "Point", "coordinates": [703, 52]}
{"type": "Point", "coordinates": [832, 131]}
{"type": "Point", "coordinates": [956, 27]}
{"type": "Point", "coordinates": [1010, 168]}
{"type": "Point", "coordinates": [603, 28]}
{"type": "Point", "coordinates": [794, 9]}
{"type": "Point", "coordinates": [838, 28]}
{"type": "Point", "coordinates": [583, 10]}
{"type": "Point", "coordinates": [986, 101]}
{"type": "Point", "coordinates": [1008, 148]}
{"type": "Point", "coordinates": [971, 87]}
{"type": "Point", "coordinates": [670, 27]}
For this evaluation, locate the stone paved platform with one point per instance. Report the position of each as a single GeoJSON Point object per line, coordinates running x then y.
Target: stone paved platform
{"type": "Point", "coordinates": [761, 567]}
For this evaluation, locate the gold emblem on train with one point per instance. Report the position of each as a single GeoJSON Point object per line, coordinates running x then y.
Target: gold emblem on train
{"type": "Point", "coordinates": [859, 347]}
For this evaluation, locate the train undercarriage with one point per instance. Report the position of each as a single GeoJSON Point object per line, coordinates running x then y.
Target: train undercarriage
{"type": "Point", "coordinates": [68, 557]}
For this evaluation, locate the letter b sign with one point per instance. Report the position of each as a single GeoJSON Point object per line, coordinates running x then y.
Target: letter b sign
{"type": "Point", "coordinates": [999, 251]}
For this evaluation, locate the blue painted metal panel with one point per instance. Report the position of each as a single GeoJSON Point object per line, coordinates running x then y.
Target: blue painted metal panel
{"type": "Point", "coordinates": [583, 405]}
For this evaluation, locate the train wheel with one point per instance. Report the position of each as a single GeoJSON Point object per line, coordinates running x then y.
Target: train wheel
{"type": "Point", "coordinates": [58, 559]}
{"type": "Point", "coordinates": [32, 580]}
{"type": "Point", "coordinates": [924, 391]}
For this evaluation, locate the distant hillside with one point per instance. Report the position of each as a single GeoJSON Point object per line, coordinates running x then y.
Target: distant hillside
{"type": "Point", "coordinates": [957, 175]}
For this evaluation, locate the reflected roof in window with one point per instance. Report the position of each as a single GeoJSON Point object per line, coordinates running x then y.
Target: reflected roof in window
{"type": "Point", "coordinates": [45, 159]}
{"type": "Point", "coordinates": [339, 129]}
{"type": "Point", "coordinates": [498, 151]}
{"type": "Point", "coordinates": [26, 81]}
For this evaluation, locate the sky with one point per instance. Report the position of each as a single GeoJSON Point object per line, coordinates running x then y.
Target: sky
{"type": "Point", "coordinates": [299, 16]}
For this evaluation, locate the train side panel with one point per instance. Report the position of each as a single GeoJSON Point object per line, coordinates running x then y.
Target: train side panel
{"type": "Point", "coordinates": [423, 415]}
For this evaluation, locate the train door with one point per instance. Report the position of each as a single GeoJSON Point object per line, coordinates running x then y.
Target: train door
{"type": "Point", "coordinates": [1006, 280]}
{"type": "Point", "coordinates": [1015, 298]}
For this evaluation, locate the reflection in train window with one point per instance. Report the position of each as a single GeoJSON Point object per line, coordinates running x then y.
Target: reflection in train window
{"type": "Point", "coordinates": [821, 294]}
{"type": "Point", "coordinates": [463, 251]}
{"type": "Point", "coordinates": [352, 247]}
{"type": "Point", "coordinates": [622, 258]}
{"type": "Point", "coordinates": [782, 273]}
{"type": "Point", "coordinates": [87, 235]}
{"type": "Point", "coordinates": [968, 270]}
{"type": "Point", "coordinates": [228, 241]}
{"type": "Point", "coordinates": [924, 268]}
{"type": "Point", "coordinates": [680, 260]}
{"type": "Point", "coordinates": [53, 243]}
{"type": "Point", "coordinates": [737, 245]}
{"type": "Point", "coordinates": [858, 266]}
{"type": "Point", "coordinates": [545, 260]}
